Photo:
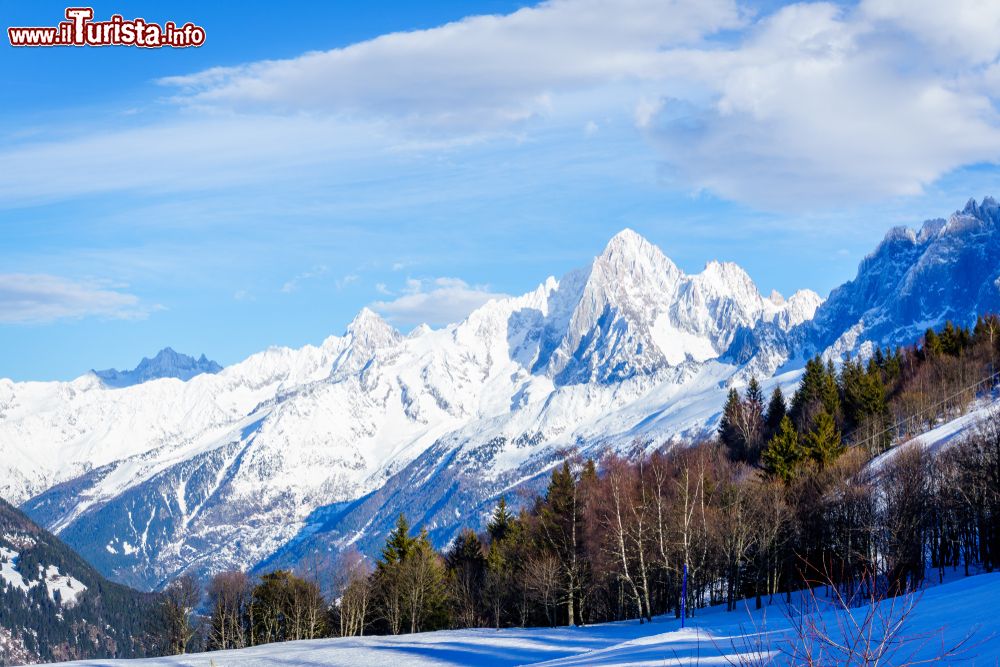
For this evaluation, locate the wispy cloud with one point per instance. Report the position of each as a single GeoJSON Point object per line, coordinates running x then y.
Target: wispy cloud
{"type": "Point", "coordinates": [435, 301]}
{"type": "Point", "coordinates": [293, 284]}
{"type": "Point", "coordinates": [480, 71]}
{"type": "Point", "coordinates": [349, 279]}
{"type": "Point", "coordinates": [40, 298]}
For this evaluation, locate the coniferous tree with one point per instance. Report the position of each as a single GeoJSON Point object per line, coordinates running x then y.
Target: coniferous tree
{"type": "Point", "coordinates": [808, 397]}
{"type": "Point", "coordinates": [783, 453]}
{"type": "Point", "coordinates": [830, 396]}
{"type": "Point", "coordinates": [561, 523]}
{"type": "Point", "coordinates": [776, 411]}
{"type": "Point", "coordinates": [951, 339]}
{"type": "Point", "coordinates": [424, 587]}
{"type": "Point", "coordinates": [754, 393]}
{"type": "Point", "coordinates": [752, 424]}
{"type": "Point", "coordinates": [399, 543]}
{"type": "Point", "coordinates": [388, 584]}
{"type": "Point", "coordinates": [729, 433]}
{"type": "Point", "coordinates": [823, 443]}
{"type": "Point", "coordinates": [466, 565]}
{"type": "Point", "coordinates": [932, 344]}
{"type": "Point", "coordinates": [501, 522]}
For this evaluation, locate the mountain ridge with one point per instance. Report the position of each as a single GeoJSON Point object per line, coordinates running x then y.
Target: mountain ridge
{"type": "Point", "coordinates": [319, 448]}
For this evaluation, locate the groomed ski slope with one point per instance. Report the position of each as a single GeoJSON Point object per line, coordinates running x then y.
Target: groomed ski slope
{"type": "Point", "coordinates": [944, 615]}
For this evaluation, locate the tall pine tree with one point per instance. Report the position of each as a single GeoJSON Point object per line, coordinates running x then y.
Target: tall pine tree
{"type": "Point", "coordinates": [776, 411]}
{"type": "Point", "coordinates": [823, 443]}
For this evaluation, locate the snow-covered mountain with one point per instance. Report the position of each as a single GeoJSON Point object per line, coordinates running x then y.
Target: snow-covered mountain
{"type": "Point", "coordinates": [166, 364]}
{"type": "Point", "coordinates": [225, 469]}
{"type": "Point", "coordinates": [293, 451]}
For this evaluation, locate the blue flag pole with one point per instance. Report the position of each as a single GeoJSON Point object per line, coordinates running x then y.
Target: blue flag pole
{"type": "Point", "coordinates": [684, 594]}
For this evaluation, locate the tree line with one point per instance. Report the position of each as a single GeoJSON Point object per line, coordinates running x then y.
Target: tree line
{"type": "Point", "coordinates": [785, 494]}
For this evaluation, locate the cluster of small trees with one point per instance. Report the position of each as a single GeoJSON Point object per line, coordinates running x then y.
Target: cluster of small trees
{"type": "Point", "coordinates": [279, 606]}
{"type": "Point", "coordinates": [778, 497]}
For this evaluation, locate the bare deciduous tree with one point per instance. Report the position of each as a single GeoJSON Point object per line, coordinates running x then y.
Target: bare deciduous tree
{"type": "Point", "coordinates": [180, 599]}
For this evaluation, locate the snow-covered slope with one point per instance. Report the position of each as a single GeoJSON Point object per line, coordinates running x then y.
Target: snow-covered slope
{"type": "Point", "coordinates": [951, 432]}
{"type": "Point", "coordinates": [292, 451]}
{"type": "Point", "coordinates": [63, 589]}
{"type": "Point", "coordinates": [956, 613]}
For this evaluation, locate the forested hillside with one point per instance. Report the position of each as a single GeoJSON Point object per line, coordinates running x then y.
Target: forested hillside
{"type": "Point", "coordinates": [54, 606]}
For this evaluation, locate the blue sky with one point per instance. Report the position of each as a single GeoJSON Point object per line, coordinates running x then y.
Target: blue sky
{"type": "Point", "coordinates": [418, 158]}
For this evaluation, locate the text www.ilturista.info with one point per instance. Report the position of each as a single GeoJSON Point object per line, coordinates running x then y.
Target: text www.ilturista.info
{"type": "Point", "coordinates": [81, 30]}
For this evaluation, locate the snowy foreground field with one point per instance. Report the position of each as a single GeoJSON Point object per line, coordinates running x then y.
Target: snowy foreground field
{"type": "Point", "coordinates": [943, 615]}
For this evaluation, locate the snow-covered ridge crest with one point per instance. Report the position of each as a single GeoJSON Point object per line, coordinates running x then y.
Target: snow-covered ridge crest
{"type": "Point", "coordinates": [635, 312]}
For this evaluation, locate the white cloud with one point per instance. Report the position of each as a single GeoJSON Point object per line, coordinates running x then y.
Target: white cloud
{"type": "Point", "coordinates": [963, 30]}
{"type": "Point", "coordinates": [38, 298]}
{"type": "Point", "coordinates": [646, 110]}
{"type": "Point", "coordinates": [436, 301]}
{"type": "Point", "coordinates": [822, 104]}
{"type": "Point", "coordinates": [813, 104]}
{"type": "Point", "coordinates": [482, 70]}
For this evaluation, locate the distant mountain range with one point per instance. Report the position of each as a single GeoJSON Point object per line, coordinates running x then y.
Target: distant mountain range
{"type": "Point", "coordinates": [296, 451]}
{"type": "Point", "coordinates": [166, 364]}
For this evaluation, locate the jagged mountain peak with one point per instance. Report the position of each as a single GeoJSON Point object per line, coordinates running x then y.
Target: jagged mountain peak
{"type": "Point", "coordinates": [972, 216]}
{"type": "Point", "coordinates": [629, 256]}
{"type": "Point", "coordinates": [634, 313]}
{"type": "Point", "coordinates": [420, 330]}
{"type": "Point", "coordinates": [930, 229]}
{"type": "Point", "coordinates": [371, 330]}
{"type": "Point", "coordinates": [167, 363]}
{"type": "Point", "coordinates": [984, 210]}
{"type": "Point", "coordinates": [726, 278]}
{"type": "Point", "coordinates": [627, 238]}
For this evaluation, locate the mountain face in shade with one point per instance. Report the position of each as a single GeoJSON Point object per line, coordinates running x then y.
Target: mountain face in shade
{"type": "Point", "coordinates": [915, 278]}
{"type": "Point", "coordinates": [54, 606]}
{"type": "Point", "coordinates": [293, 451]}
{"type": "Point", "coordinates": [166, 364]}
